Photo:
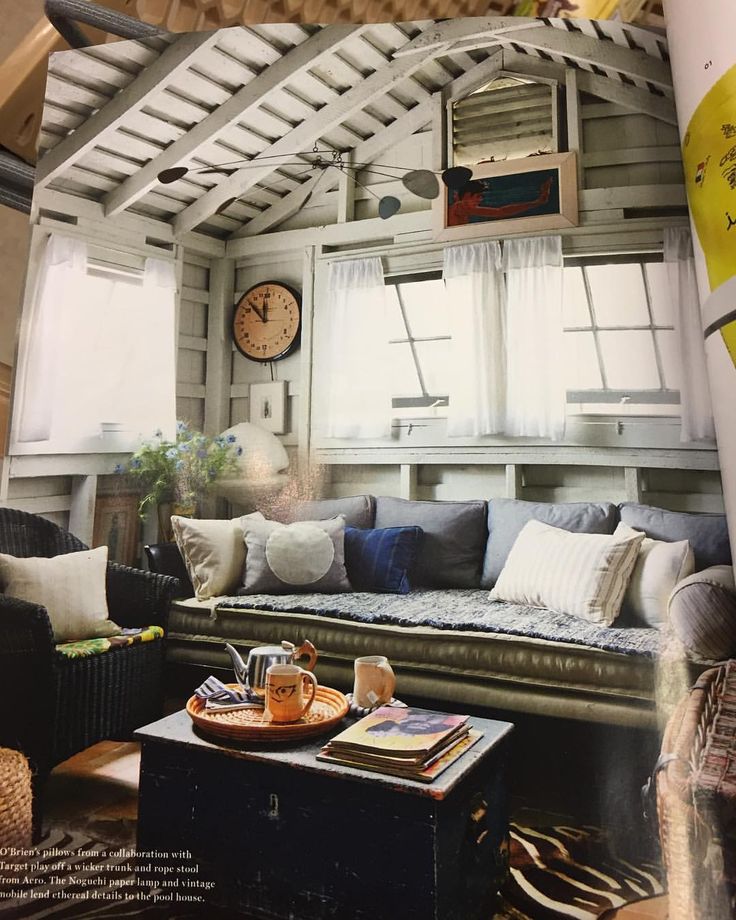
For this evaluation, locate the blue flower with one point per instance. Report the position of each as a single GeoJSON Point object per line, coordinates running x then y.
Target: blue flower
{"type": "Point", "coordinates": [220, 441]}
{"type": "Point", "coordinates": [231, 439]}
{"type": "Point", "coordinates": [181, 427]}
{"type": "Point", "coordinates": [201, 453]}
{"type": "Point", "coordinates": [135, 463]}
{"type": "Point", "coordinates": [158, 433]}
{"type": "Point", "coordinates": [172, 453]}
{"type": "Point", "coordinates": [179, 465]}
{"type": "Point", "coordinates": [119, 468]}
{"type": "Point", "coordinates": [239, 451]}
{"type": "Point", "coordinates": [183, 448]}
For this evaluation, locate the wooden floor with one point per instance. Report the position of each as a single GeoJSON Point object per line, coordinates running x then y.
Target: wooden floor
{"type": "Point", "coordinates": [96, 793]}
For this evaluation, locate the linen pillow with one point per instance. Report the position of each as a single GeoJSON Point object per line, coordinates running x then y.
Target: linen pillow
{"type": "Point", "coordinates": [454, 538]}
{"type": "Point", "coordinates": [381, 560]}
{"type": "Point", "coordinates": [213, 552]}
{"type": "Point", "coordinates": [72, 588]}
{"type": "Point", "coordinates": [659, 567]}
{"type": "Point", "coordinates": [506, 517]}
{"type": "Point", "coordinates": [582, 574]}
{"type": "Point", "coordinates": [292, 558]}
{"type": "Point", "coordinates": [702, 612]}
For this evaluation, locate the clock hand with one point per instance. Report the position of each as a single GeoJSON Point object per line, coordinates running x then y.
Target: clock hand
{"type": "Point", "coordinates": [261, 316]}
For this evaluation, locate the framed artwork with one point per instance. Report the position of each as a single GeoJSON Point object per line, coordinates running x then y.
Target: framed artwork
{"type": "Point", "coordinates": [268, 405]}
{"type": "Point", "coordinates": [117, 526]}
{"type": "Point", "coordinates": [515, 196]}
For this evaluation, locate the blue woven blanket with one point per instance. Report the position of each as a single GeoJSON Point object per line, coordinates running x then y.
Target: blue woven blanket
{"type": "Point", "coordinates": [469, 610]}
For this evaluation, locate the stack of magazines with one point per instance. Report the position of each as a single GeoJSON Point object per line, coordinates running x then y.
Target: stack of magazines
{"type": "Point", "coordinates": [414, 743]}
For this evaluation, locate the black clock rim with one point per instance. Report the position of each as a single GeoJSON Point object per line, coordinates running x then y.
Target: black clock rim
{"type": "Point", "coordinates": [295, 342]}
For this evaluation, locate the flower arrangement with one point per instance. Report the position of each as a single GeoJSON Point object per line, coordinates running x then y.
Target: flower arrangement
{"type": "Point", "coordinates": [180, 471]}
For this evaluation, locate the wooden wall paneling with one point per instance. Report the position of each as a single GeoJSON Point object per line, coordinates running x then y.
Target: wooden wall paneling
{"type": "Point", "coordinates": [218, 379]}
{"type": "Point", "coordinates": [82, 511]}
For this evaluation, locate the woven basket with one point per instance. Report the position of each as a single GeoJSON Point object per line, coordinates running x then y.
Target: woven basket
{"type": "Point", "coordinates": [696, 800]}
{"type": "Point", "coordinates": [15, 799]}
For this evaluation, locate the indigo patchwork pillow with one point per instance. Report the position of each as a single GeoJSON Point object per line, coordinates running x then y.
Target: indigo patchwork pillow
{"type": "Point", "coordinates": [381, 560]}
{"type": "Point", "coordinates": [308, 556]}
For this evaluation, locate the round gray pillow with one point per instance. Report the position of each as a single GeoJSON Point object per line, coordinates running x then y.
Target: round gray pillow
{"type": "Point", "coordinates": [702, 612]}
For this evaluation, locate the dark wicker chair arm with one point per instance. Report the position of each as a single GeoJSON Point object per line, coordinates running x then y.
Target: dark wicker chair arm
{"type": "Point", "coordinates": [26, 683]}
{"type": "Point", "coordinates": [137, 598]}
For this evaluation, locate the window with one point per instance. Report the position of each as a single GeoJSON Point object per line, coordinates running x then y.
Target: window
{"type": "Point", "coordinates": [97, 361]}
{"type": "Point", "coordinates": [418, 337]}
{"type": "Point", "coordinates": [619, 331]}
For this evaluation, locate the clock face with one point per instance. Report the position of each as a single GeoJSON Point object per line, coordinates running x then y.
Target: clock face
{"type": "Point", "coordinates": [267, 321]}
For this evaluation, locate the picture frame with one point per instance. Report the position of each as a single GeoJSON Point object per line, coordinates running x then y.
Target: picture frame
{"type": "Point", "coordinates": [117, 526]}
{"type": "Point", "coordinates": [268, 405]}
{"type": "Point", "coordinates": [514, 196]}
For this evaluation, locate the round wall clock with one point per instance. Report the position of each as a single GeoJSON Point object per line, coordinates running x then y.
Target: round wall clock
{"type": "Point", "coordinates": [267, 321]}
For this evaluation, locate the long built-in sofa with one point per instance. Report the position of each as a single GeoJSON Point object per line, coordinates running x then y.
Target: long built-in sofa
{"type": "Point", "coordinates": [449, 641]}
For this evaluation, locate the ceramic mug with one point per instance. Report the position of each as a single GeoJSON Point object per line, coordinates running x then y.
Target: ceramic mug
{"type": "Point", "coordinates": [285, 697]}
{"type": "Point", "coordinates": [375, 681]}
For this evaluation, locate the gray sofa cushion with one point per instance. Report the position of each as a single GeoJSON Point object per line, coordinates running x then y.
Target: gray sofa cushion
{"type": "Point", "coordinates": [702, 611]}
{"type": "Point", "coordinates": [507, 516]}
{"type": "Point", "coordinates": [358, 510]}
{"type": "Point", "coordinates": [706, 533]}
{"type": "Point", "coordinates": [451, 554]}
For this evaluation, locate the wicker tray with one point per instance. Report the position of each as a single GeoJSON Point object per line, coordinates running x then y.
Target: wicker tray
{"type": "Point", "coordinates": [330, 707]}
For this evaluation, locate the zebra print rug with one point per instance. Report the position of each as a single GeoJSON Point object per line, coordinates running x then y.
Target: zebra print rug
{"type": "Point", "coordinates": [555, 873]}
{"type": "Point", "coordinates": [569, 872]}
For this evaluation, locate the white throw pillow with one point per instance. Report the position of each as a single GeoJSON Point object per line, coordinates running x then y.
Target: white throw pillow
{"type": "Point", "coordinates": [213, 552]}
{"type": "Point", "coordinates": [659, 567]}
{"type": "Point", "coordinates": [581, 574]}
{"type": "Point", "coordinates": [72, 588]}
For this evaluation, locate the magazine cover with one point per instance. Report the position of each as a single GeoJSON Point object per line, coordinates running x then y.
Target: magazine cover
{"type": "Point", "coordinates": [357, 358]}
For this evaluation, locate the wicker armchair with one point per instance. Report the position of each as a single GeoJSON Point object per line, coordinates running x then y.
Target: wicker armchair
{"type": "Point", "coordinates": [54, 706]}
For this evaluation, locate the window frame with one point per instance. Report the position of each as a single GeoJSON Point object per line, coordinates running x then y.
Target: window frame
{"type": "Point", "coordinates": [426, 400]}
{"type": "Point", "coordinates": [663, 395]}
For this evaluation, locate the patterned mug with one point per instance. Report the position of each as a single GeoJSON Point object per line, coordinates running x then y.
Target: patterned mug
{"type": "Point", "coordinates": [285, 697]}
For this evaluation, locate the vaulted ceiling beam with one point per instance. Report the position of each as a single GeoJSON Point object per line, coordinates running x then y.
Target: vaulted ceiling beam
{"type": "Point", "coordinates": [304, 134]}
{"type": "Point", "coordinates": [173, 62]}
{"type": "Point", "coordinates": [236, 108]}
{"type": "Point", "coordinates": [469, 34]}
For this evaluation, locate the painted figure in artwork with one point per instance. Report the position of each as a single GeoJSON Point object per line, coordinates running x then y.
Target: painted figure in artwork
{"type": "Point", "coordinates": [468, 206]}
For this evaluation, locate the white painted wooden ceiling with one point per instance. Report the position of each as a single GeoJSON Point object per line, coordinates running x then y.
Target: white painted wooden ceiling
{"type": "Point", "coordinates": [118, 114]}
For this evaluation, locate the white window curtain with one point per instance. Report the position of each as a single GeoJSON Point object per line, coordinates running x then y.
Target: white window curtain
{"type": "Point", "coordinates": [102, 355]}
{"type": "Point", "coordinates": [477, 372]}
{"type": "Point", "coordinates": [696, 411]}
{"type": "Point", "coordinates": [355, 378]}
{"type": "Point", "coordinates": [63, 261]}
{"type": "Point", "coordinates": [535, 388]}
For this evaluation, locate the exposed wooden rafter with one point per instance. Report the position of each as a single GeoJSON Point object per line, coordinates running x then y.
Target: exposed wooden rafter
{"type": "Point", "coordinates": [287, 68]}
{"type": "Point", "coordinates": [572, 45]}
{"type": "Point", "coordinates": [312, 128]}
{"type": "Point", "coordinates": [106, 120]}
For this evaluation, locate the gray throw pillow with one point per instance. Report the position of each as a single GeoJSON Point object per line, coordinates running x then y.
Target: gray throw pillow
{"type": "Point", "coordinates": [702, 613]}
{"type": "Point", "coordinates": [358, 510]}
{"type": "Point", "coordinates": [507, 517]}
{"type": "Point", "coordinates": [451, 554]}
{"type": "Point", "coordinates": [306, 556]}
{"type": "Point", "coordinates": [707, 534]}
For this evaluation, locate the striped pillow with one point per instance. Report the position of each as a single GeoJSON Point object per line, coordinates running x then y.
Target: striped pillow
{"type": "Point", "coordinates": [581, 574]}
